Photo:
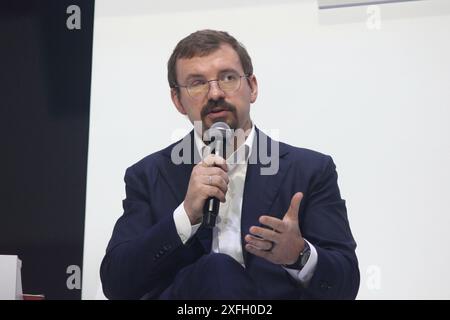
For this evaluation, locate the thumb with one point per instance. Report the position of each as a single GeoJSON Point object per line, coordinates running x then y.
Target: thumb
{"type": "Point", "coordinates": [292, 212]}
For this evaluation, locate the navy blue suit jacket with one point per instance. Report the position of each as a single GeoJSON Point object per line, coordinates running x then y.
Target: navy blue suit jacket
{"type": "Point", "coordinates": [145, 252]}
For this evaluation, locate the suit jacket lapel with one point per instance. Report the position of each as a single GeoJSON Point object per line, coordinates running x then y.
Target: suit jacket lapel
{"type": "Point", "coordinates": [260, 190]}
{"type": "Point", "coordinates": [177, 175]}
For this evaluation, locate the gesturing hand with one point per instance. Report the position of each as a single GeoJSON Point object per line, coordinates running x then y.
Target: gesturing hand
{"type": "Point", "coordinates": [283, 243]}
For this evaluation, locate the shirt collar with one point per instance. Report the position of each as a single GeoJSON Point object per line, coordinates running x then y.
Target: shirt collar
{"type": "Point", "coordinates": [240, 156]}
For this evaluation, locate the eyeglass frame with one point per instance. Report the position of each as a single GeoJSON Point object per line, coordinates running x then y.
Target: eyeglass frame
{"type": "Point", "coordinates": [209, 86]}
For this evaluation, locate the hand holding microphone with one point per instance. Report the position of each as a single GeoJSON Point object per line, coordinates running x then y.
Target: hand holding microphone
{"type": "Point", "coordinates": [208, 184]}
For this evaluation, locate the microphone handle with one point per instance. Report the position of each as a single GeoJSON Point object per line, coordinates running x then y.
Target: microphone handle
{"type": "Point", "coordinates": [211, 208]}
{"type": "Point", "coordinates": [210, 212]}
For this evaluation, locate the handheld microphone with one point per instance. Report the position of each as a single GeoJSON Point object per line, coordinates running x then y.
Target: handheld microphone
{"type": "Point", "coordinates": [221, 133]}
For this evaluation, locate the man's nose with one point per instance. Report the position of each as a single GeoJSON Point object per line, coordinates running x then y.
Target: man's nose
{"type": "Point", "coordinates": [215, 93]}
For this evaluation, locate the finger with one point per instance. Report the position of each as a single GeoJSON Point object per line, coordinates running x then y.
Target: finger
{"type": "Point", "coordinates": [259, 253]}
{"type": "Point", "coordinates": [215, 171]}
{"type": "Point", "coordinates": [213, 160]}
{"type": "Point", "coordinates": [213, 191]}
{"type": "Point", "coordinates": [258, 243]}
{"type": "Point", "coordinates": [264, 233]}
{"type": "Point", "coordinates": [292, 212]}
{"type": "Point", "coordinates": [273, 223]}
{"type": "Point", "coordinates": [216, 181]}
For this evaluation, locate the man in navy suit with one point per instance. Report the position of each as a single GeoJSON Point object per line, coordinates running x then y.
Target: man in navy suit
{"type": "Point", "coordinates": [282, 231]}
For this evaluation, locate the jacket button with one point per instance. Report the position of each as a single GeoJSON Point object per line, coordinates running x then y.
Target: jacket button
{"type": "Point", "coordinates": [325, 285]}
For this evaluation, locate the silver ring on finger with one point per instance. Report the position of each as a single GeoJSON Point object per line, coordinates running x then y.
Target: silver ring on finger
{"type": "Point", "coordinates": [209, 180]}
{"type": "Point", "coordinates": [272, 244]}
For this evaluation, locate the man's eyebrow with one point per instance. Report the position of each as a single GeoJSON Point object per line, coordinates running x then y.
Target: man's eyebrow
{"type": "Point", "coordinates": [201, 76]}
{"type": "Point", "coordinates": [228, 70]}
{"type": "Point", "coordinates": [194, 75]}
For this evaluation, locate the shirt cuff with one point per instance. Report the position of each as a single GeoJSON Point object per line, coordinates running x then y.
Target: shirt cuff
{"type": "Point", "coordinates": [303, 276]}
{"type": "Point", "coordinates": [183, 224]}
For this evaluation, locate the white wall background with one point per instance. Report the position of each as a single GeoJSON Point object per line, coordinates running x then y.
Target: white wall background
{"type": "Point", "coordinates": [377, 100]}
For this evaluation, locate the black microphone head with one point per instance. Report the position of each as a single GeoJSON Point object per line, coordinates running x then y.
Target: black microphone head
{"type": "Point", "coordinates": [220, 136]}
{"type": "Point", "coordinates": [220, 128]}
{"type": "Point", "coordinates": [220, 125]}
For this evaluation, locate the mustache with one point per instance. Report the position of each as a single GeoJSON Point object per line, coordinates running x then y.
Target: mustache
{"type": "Point", "coordinates": [213, 104]}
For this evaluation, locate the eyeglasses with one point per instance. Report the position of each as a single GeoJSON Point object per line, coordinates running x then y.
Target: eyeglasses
{"type": "Point", "coordinates": [228, 82]}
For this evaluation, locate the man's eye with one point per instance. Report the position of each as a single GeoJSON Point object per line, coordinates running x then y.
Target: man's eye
{"type": "Point", "coordinates": [197, 83]}
{"type": "Point", "coordinates": [229, 77]}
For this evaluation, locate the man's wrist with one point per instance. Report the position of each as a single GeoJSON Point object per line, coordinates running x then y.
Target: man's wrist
{"type": "Point", "coordinates": [302, 258]}
{"type": "Point", "coordinates": [192, 219]}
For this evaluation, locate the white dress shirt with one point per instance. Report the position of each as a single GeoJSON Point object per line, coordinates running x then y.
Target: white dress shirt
{"type": "Point", "coordinates": [227, 232]}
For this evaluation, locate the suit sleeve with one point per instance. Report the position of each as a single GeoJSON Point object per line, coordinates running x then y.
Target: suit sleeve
{"type": "Point", "coordinates": [144, 253]}
{"type": "Point", "coordinates": [326, 225]}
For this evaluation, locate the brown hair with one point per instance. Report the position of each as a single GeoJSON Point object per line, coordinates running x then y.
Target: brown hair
{"type": "Point", "coordinates": [201, 43]}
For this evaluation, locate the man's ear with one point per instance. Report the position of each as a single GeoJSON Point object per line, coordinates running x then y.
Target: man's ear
{"type": "Point", "coordinates": [253, 83]}
{"type": "Point", "coordinates": [175, 95]}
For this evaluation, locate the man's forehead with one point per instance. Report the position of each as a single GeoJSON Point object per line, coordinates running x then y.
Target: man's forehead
{"type": "Point", "coordinates": [225, 57]}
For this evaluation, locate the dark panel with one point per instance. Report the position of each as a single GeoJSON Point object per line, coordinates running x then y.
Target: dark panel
{"type": "Point", "coordinates": [45, 76]}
